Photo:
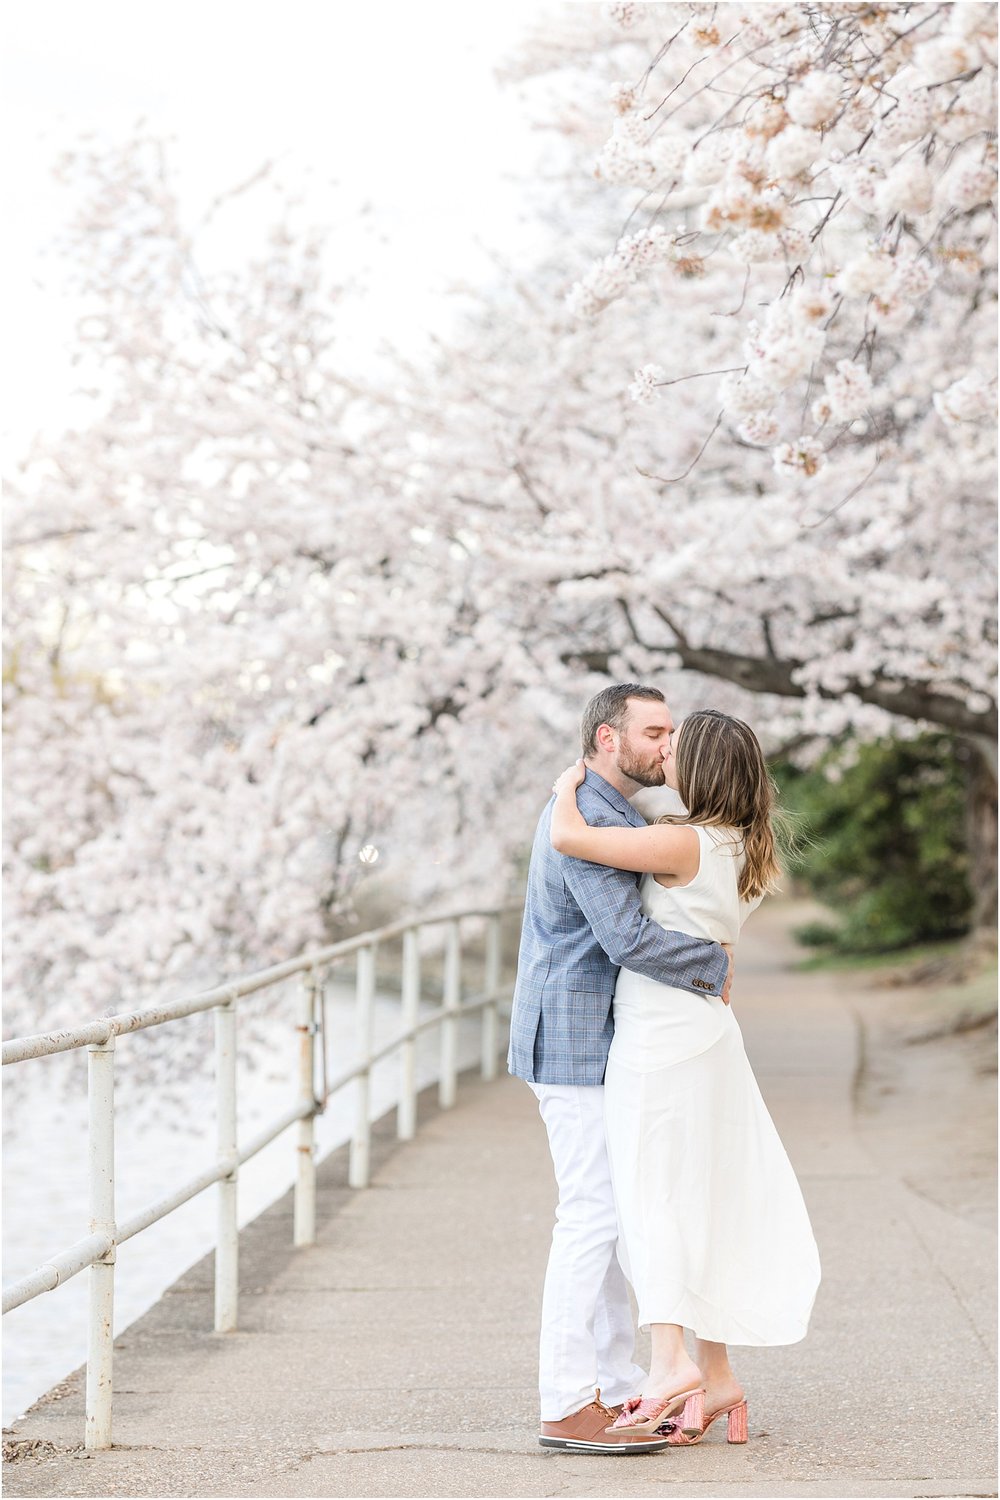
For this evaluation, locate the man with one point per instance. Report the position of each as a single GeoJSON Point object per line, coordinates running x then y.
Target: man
{"type": "Point", "coordinates": [582, 922]}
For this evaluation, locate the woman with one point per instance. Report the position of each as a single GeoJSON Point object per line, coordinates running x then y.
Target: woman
{"type": "Point", "coordinates": [714, 1234]}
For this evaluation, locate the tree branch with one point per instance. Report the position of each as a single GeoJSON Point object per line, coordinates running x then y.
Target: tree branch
{"type": "Point", "coordinates": [771, 674]}
{"type": "Point", "coordinates": [910, 700]}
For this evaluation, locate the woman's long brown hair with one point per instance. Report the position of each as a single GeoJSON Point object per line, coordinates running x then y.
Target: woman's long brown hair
{"type": "Point", "coordinates": [723, 781]}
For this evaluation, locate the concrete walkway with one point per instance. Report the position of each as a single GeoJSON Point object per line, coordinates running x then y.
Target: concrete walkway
{"type": "Point", "coordinates": [397, 1357]}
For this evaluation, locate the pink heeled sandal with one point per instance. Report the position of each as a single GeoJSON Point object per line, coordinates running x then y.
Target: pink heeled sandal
{"type": "Point", "coordinates": [737, 1427]}
{"type": "Point", "coordinates": [642, 1414]}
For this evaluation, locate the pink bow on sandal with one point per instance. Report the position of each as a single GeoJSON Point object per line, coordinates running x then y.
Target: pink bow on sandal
{"type": "Point", "coordinates": [645, 1414]}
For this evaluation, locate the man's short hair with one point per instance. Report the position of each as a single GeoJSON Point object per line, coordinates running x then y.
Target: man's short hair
{"type": "Point", "coordinates": [610, 706]}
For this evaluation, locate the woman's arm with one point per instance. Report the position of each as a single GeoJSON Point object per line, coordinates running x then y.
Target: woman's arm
{"type": "Point", "coordinates": [660, 849]}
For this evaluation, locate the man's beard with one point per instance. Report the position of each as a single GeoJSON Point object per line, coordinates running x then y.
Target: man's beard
{"type": "Point", "coordinates": [646, 773]}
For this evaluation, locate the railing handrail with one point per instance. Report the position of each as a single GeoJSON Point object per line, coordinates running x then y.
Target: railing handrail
{"type": "Point", "coordinates": [15, 1294]}
{"type": "Point", "coordinates": [97, 1250]}
{"type": "Point", "coordinates": [99, 1031]}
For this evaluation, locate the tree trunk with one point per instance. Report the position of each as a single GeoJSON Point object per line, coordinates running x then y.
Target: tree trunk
{"type": "Point", "coordinates": [981, 832]}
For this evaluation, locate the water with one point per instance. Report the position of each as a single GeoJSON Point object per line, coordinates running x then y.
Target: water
{"type": "Point", "coordinates": [164, 1134]}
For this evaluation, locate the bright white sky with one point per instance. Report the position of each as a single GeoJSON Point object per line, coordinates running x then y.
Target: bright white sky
{"type": "Point", "coordinates": [395, 103]}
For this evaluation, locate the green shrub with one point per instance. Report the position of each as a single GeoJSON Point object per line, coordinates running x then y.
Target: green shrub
{"type": "Point", "coordinates": [816, 934]}
{"type": "Point", "coordinates": [884, 846]}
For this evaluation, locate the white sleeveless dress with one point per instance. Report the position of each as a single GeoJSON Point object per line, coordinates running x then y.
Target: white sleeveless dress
{"type": "Point", "coordinates": [714, 1233]}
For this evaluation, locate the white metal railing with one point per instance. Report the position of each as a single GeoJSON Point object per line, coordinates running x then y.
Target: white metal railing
{"type": "Point", "coordinates": [97, 1249]}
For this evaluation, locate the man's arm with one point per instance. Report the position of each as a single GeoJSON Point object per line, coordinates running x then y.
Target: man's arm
{"type": "Point", "coordinates": [609, 899]}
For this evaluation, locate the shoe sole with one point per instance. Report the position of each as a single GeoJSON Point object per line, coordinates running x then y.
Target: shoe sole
{"type": "Point", "coordinates": [657, 1445]}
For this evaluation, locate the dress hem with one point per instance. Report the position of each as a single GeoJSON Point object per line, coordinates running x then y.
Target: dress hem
{"type": "Point", "coordinates": [715, 1336]}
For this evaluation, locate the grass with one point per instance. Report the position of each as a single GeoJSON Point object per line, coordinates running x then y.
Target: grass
{"type": "Point", "coordinates": [976, 998]}
{"type": "Point", "coordinates": [963, 1002]}
{"type": "Point", "coordinates": [827, 959]}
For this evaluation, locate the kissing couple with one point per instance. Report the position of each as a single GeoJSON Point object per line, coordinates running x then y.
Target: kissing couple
{"type": "Point", "coordinates": [670, 1173]}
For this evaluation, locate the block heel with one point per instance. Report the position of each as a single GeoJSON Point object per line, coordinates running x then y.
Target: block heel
{"type": "Point", "coordinates": [692, 1422]}
{"type": "Point", "coordinates": [737, 1428]}
{"type": "Point", "coordinates": [683, 1433]}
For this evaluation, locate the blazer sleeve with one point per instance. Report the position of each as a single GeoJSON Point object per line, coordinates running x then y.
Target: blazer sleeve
{"type": "Point", "coordinates": [609, 899]}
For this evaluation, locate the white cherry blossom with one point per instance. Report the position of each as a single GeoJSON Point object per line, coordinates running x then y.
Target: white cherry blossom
{"type": "Point", "coordinates": [868, 272]}
{"type": "Point", "coordinates": [793, 151]}
{"type": "Point", "coordinates": [848, 390]}
{"type": "Point", "coordinates": [908, 119]}
{"type": "Point", "coordinates": [908, 188]}
{"type": "Point", "coordinates": [972, 185]}
{"type": "Point", "coordinates": [759, 428]}
{"type": "Point", "coordinates": [643, 388]}
{"type": "Point", "coordinates": [969, 399]}
{"type": "Point", "coordinates": [805, 456]}
{"type": "Point", "coordinates": [815, 99]}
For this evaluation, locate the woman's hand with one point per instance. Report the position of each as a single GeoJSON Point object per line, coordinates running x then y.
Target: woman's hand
{"type": "Point", "coordinates": [570, 779]}
{"type": "Point", "coordinates": [727, 987]}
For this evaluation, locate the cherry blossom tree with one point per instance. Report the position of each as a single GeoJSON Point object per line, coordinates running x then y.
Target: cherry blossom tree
{"type": "Point", "coordinates": [840, 162]}
{"type": "Point", "coordinates": [236, 654]}
{"type": "Point", "coordinates": [271, 620]}
{"type": "Point", "coordinates": [801, 203]}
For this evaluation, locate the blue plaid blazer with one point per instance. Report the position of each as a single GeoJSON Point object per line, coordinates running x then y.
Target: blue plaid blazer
{"type": "Point", "coordinates": [582, 923]}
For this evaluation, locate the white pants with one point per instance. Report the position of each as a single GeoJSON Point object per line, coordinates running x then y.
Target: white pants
{"type": "Point", "coordinates": [588, 1336]}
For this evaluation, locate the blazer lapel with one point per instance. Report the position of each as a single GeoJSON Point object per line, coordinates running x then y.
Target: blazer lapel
{"type": "Point", "coordinates": [614, 798]}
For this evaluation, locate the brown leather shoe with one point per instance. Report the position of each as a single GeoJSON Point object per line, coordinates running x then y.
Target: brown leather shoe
{"type": "Point", "coordinates": [586, 1432]}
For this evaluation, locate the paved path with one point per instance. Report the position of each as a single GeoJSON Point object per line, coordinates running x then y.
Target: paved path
{"type": "Point", "coordinates": [396, 1358]}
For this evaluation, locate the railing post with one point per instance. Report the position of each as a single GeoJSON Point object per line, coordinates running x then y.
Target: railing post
{"type": "Point", "coordinates": [305, 1177]}
{"type": "Point", "coordinates": [227, 1237]}
{"type": "Point", "coordinates": [492, 989]}
{"type": "Point", "coordinates": [449, 1026]}
{"type": "Point", "coordinates": [101, 1150]}
{"type": "Point", "coordinates": [359, 1167]}
{"type": "Point", "coordinates": [406, 1113]}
